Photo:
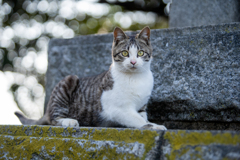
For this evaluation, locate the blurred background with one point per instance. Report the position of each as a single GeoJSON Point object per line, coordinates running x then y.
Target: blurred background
{"type": "Point", "coordinates": [27, 26]}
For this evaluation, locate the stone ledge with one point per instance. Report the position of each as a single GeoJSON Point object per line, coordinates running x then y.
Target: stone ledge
{"type": "Point", "coordinates": [49, 142]}
{"type": "Point", "coordinates": [44, 142]}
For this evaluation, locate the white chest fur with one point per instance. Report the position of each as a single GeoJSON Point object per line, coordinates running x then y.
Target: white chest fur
{"type": "Point", "coordinates": [131, 91]}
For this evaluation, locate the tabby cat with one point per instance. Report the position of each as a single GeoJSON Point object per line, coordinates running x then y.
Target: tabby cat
{"type": "Point", "coordinates": [117, 97]}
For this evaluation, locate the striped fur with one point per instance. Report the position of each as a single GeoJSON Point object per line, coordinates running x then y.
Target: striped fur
{"type": "Point", "coordinates": [112, 98]}
{"type": "Point", "coordinates": [79, 99]}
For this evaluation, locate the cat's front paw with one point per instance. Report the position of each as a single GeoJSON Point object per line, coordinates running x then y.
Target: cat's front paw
{"type": "Point", "coordinates": [154, 126]}
{"type": "Point", "coordinates": [70, 123]}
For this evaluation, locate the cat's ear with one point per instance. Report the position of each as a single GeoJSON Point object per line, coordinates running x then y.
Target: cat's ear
{"type": "Point", "coordinates": [119, 35]}
{"type": "Point", "coordinates": [145, 34]}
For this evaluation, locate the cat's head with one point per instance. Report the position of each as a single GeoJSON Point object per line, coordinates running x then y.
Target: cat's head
{"type": "Point", "coordinates": [132, 53]}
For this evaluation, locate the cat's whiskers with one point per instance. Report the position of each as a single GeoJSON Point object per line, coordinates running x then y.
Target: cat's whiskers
{"type": "Point", "coordinates": [143, 68]}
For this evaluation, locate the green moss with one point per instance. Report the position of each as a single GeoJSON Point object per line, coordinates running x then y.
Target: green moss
{"type": "Point", "coordinates": [192, 114]}
{"type": "Point", "coordinates": [227, 158]}
{"type": "Point", "coordinates": [226, 30]}
{"type": "Point", "coordinates": [55, 148]}
{"type": "Point", "coordinates": [199, 149]}
{"type": "Point", "coordinates": [58, 142]}
{"type": "Point", "coordinates": [181, 139]}
{"type": "Point", "coordinates": [146, 137]}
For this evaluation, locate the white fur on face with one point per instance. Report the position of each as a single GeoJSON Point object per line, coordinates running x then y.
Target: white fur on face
{"type": "Point", "coordinates": [126, 66]}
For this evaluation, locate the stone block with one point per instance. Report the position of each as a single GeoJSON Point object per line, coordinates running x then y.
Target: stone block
{"type": "Point", "coordinates": [197, 74]}
{"type": "Point", "coordinates": [44, 142]}
{"type": "Point", "coordinates": [214, 145]}
{"type": "Point", "coordinates": [196, 71]}
{"type": "Point", "coordinates": [189, 13]}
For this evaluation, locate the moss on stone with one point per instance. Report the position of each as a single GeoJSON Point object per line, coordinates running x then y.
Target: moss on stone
{"type": "Point", "coordinates": [227, 30]}
{"type": "Point", "coordinates": [58, 142]}
{"type": "Point", "coordinates": [181, 139]}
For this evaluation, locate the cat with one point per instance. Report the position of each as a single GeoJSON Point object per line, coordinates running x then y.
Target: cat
{"type": "Point", "coordinates": [117, 97]}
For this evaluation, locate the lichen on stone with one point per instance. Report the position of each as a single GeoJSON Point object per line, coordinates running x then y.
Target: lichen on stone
{"type": "Point", "coordinates": [46, 142]}
{"type": "Point", "coordinates": [180, 141]}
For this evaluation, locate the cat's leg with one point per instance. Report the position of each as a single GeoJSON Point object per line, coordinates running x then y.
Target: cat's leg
{"type": "Point", "coordinates": [59, 117]}
{"type": "Point", "coordinates": [143, 112]}
{"type": "Point", "coordinates": [130, 118]}
{"type": "Point", "coordinates": [127, 118]}
{"type": "Point", "coordinates": [154, 126]}
{"type": "Point", "coordinates": [149, 125]}
{"type": "Point", "coordinates": [58, 106]}
{"type": "Point", "coordinates": [67, 122]}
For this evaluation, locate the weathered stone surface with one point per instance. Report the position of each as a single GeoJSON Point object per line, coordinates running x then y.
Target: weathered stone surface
{"type": "Point", "coordinates": [44, 142]}
{"type": "Point", "coordinates": [214, 145]}
{"type": "Point", "coordinates": [200, 125]}
{"type": "Point", "coordinates": [196, 70]}
{"type": "Point", "coordinates": [191, 13]}
{"type": "Point", "coordinates": [197, 74]}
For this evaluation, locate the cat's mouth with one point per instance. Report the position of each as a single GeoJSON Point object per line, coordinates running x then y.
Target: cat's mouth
{"type": "Point", "coordinates": [133, 67]}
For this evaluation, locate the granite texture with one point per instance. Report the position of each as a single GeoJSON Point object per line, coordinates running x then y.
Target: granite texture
{"type": "Point", "coordinates": [44, 142]}
{"type": "Point", "coordinates": [197, 74]}
{"type": "Point", "coordinates": [191, 13]}
{"type": "Point", "coordinates": [196, 70]}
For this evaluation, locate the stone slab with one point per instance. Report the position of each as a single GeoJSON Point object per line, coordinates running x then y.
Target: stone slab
{"type": "Point", "coordinates": [214, 145]}
{"type": "Point", "coordinates": [196, 70]}
{"type": "Point", "coordinates": [48, 142]}
{"type": "Point", "coordinates": [44, 142]}
{"type": "Point", "coordinates": [189, 13]}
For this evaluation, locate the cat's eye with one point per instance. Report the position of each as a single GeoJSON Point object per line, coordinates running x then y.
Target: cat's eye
{"type": "Point", "coordinates": [140, 53]}
{"type": "Point", "coordinates": [125, 53]}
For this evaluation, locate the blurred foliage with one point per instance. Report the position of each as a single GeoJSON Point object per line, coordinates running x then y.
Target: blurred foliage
{"type": "Point", "coordinates": [27, 26]}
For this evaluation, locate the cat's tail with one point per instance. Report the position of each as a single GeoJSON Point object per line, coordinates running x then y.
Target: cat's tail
{"type": "Point", "coordinates": [26, 121]}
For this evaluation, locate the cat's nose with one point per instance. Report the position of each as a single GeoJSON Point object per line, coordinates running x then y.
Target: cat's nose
{"type": "Point", "coordinates": [133, 62]}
